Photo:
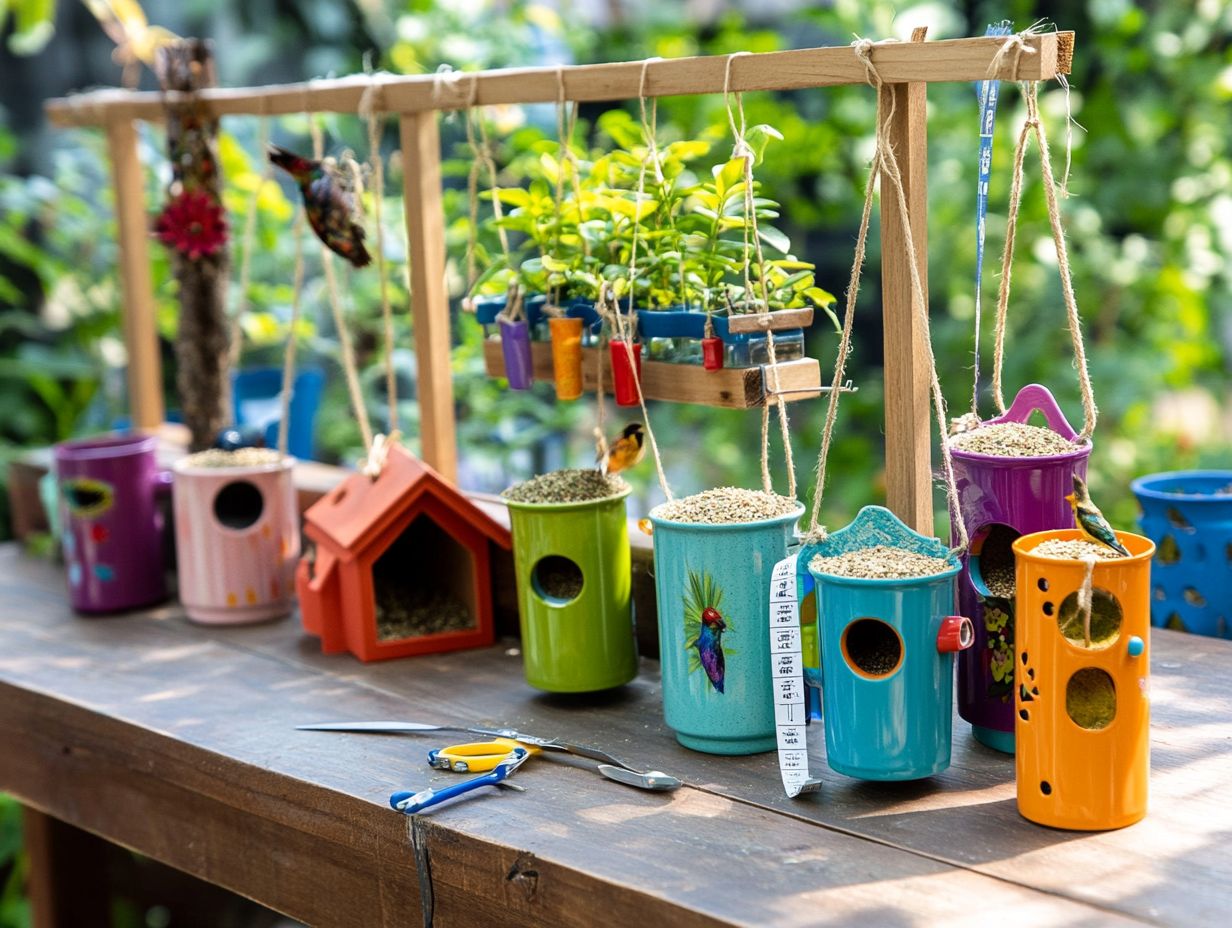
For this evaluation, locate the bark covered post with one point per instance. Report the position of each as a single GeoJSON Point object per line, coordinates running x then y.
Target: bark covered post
{"type": "Point", "coordinates": [194, 225]}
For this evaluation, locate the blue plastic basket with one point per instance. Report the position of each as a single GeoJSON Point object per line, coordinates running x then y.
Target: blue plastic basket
{"type": "Point", "coordinates": [1188, 514]}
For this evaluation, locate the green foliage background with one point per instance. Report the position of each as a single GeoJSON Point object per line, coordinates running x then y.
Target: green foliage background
{"type": "Point", "coordinates": [1149, 221]}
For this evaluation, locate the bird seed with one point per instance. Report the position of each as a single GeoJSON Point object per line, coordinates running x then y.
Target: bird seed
{"type": "Point", "coordinates": [881, 562]}
{"type": "Point", "coordinates": [1074, 550]}
{"type": "Point", "coordinates": [571, 485]}
{"type": "Point", "coordinates": [1012, 440]}
{"type": "Point", "coordinates": [240, 457]}
{"type": "Point", "coordinates": [725, 506]}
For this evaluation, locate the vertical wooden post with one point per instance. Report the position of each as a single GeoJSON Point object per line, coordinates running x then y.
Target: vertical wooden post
{"type": "Point", "coordinates": [907, 422]}
{"type": "Point", "coordinates": [145, 377]}
{"type": "Point", "coordinates": [67, 884]}
{"type": "Point", "coordinates": [425, 227]}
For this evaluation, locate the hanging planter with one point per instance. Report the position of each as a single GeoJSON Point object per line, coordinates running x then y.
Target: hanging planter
{"type": "Point", "coordinates": [1001, 497]}
{"type": "Point", "coordinates": [567, 356]}
{"type": "Point", "coordinates": [236, 535]}
{"type": "Point", "coordinates": [712, 584]}
{"type": "Point", "coordinates": [1188, 515]}
{"type": "Point", "coordinates": [572, 564]}
{"type": "Point", "coordinates": [887, 651]}
{"type": "Point", "coordinates": [111, 526]}
{"type": "Point", "coordinates": [1082, 709]}
{"type": "Point", "coordinates": [626, 371]}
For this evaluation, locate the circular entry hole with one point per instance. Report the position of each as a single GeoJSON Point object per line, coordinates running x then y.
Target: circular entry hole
{"type": "Point", "coordinates": [557, 579]}
{"type": "Point", "coordinates": [872, 648]}
{"type": "Point", "coordinates": [992, 563]}
{"type": "Point", "coordinates": [1090, 698]}
{"type": "Point", "coordinates": [238, 504]}
{"type": "Point", "coordinates": [1105, 619]}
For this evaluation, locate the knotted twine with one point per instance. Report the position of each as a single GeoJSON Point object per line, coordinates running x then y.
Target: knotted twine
{"type": "Point", "coordinates": [1033, 126]}
{"type": "Point", "coordinates": [884, 166]}
{"type": "Point", "coordinates": [752, 246]}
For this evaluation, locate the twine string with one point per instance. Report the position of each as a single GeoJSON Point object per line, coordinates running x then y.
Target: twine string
{"type": "Point", "coordinates": [1086, 597]}
{"type": "Point", "coordinates": [1034, 126]}
{"type": "Point", "coordinates": [346, 349]}
{"type": "Point", "coordinates": [885, 166]}
{"type": "Point", "coordinates": [734, 104]}
{"type": "Point", "coordinates": [625, 328]}
{"type": "Point", "coordinates": [248, 238]}
{"type": "Point", "coordinates": [369, 106]}
{"type": "Point", "coordinates": [288, 361]}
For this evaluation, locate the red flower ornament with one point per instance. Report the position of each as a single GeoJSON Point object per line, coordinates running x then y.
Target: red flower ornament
{"type": "Point", "coordinates": [193, 224]}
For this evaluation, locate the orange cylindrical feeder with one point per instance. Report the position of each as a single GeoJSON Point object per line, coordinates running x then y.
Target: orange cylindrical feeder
{"type": "Point", "coordinates": [712, 353]}
{"type": "Point", "coordinates": [1082, 708]}
{"type": "Point", "coordinates": [625, 374]}
{"type": "Point", "coordinates": [567, 356]}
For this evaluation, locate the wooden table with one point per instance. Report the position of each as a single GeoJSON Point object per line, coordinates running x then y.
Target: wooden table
{"type": "Point", "coordinates": [178, 741]}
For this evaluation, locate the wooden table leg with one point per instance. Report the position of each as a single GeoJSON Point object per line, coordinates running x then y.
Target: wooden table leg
{"type": "Point", "coordinates": [68, 873]}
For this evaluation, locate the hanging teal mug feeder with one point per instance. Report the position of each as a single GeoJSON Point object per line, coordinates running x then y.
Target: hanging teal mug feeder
{"type": "Point", "coordinates": [887, 655]}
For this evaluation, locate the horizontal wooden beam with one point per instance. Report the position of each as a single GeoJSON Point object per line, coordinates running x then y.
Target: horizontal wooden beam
{"type": "Point", "coordinates": [1044, 57]}
{"type": "Point", "coordinates": [728, 388]}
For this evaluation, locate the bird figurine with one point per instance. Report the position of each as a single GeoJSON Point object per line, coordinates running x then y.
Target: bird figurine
{"type": "Point", "coordinates": [626, 451]}
{"type": "Point", "coordinates": [330, 207]}
{"type": "Point", "coordinates": [710, 646]}
{"type": "Point", "coordinates": [1090, 521]}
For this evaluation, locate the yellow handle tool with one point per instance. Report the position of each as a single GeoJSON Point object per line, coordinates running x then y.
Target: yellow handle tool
{"type": "Point", "coordinates": [477, 756]}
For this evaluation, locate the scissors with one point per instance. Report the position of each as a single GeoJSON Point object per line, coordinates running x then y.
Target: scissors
{"type": "Point", "coordinates": [497, 773]}
{"type": "Point", "coordinates": [491, 755]}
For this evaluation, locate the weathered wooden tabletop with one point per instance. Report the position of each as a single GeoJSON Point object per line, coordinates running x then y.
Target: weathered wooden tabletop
{"type": "Point", "coordinates": [178, 741]}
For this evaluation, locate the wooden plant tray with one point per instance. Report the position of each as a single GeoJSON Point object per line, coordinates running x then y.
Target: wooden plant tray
{"type": "Point", "coordinates": [728, 388]}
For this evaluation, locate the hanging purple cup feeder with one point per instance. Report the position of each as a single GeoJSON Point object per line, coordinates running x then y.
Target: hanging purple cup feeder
{"type": "Point", "coordinates": [1001, 498]}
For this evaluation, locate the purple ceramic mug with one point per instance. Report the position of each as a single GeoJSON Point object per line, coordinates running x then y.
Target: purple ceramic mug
{"type": "Point", "coordinates": [111, 527]}
{"type": "Point", "coordinates": [1002, 498]}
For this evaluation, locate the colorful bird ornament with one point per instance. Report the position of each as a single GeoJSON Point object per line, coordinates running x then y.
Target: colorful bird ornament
{"type": "Point", "coordinates": [330, 207]}
{"type": "Point", "coordinates": [1090, 521]}
{"type": "Point", "coordinates": [626, 451]}
{"type": "Point", "coordinates": [710, 647]}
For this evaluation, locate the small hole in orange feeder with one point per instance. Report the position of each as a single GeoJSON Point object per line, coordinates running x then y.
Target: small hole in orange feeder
{"type": "Point", "coordinates": [1045, 787]}
{"type": "Point", "coordinates": [1022, 714]}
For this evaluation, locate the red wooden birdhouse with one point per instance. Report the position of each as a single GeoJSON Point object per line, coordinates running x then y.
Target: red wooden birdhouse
{"type": "Point", "coordinates": [398, 565]}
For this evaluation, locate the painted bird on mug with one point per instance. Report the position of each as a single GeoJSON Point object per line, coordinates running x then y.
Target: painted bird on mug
{"type": "Point", "coordinates": [710, 647]}
{"type": "Point", "coordinates": [330, 207]}
{"type": "Point", "coordinates": [1090, 521]}
{"type": "Point", "coordinates": [626, 451]}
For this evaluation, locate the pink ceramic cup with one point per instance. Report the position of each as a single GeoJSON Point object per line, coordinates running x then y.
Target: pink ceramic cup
{"type": "Point", "coordinates": [237, 541]}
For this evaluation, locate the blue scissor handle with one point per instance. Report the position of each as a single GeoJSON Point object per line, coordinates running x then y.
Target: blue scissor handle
{"type": "Point", "coordinates": [410, 803]}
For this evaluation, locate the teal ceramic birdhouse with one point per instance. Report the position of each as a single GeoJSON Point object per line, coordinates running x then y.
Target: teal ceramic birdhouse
{"type": "Point", "coordinates": [887, 654]}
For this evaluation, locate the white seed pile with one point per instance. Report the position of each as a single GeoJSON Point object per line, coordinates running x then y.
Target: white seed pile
{"type": "Point", "coordinates": [725, 506]}
{"type": "Point", "coordinates": [1074, 550]}
{"type": "Point", "coordinates": [240, 457]}
{"type": "Point", "coordinates": [1012, 440]}
{"type": "Point", "coordinates": [880, 562]}
{"type": "Point", "coordinates": [571, 485]}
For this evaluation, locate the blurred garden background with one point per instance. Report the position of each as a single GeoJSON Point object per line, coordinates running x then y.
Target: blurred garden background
{"type": "Point", "coordinates": [1149, 218]}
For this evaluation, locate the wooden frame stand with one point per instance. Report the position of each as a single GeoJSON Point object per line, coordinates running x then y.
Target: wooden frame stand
{"type": "Point", "coordinates": [906, 68]}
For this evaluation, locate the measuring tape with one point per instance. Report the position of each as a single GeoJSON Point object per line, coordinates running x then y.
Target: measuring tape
{"type": "Point", "coordinates": [787, 672]}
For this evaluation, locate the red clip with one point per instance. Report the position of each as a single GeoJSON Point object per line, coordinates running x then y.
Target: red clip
{"type": "Point", "coordinates": [956, 634]}
{"type": "Point", "coordinates": [712, 353]}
